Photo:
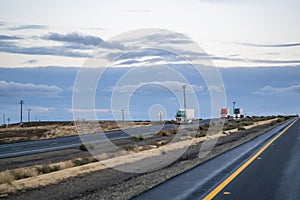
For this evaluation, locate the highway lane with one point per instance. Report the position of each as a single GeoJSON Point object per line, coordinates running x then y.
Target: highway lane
{"type": "Point", "coordinates": [274, 174]}
{"type": "Point", "coordinates": [45, 145]}
{"type": "Point", "coordinates": [197, 182]}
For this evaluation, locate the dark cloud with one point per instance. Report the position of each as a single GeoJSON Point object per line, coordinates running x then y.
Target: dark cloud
{"type": "Point", "coordinates": [270, 45]}
{"type": "Point", "coordinates": [7, 37]}
{"type": "Point", "coordinates": [30, 26]}
{"type": "Point", "coordinates": [10, 47]}
{"type": "Point", "coordinates": [19, 89]}
{"type": "Point", "coordinates": [74, 38]}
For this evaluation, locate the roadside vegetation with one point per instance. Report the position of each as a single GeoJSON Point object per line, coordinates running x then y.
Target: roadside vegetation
{"type": "Point", "coordinates": [9, 176]}
{"type": "Point", "coordinates": [45, 130]}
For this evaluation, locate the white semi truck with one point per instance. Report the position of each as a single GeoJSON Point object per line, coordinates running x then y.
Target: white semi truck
{"type": "Point", "coordinates": [185, 115]}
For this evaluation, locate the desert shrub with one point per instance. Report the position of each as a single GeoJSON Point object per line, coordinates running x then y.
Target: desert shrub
{"type": "Point", "coordinates": [281, 119]}
{"type": "Point", "coordinates": [201, 134]}
{"type": "Point", "coordinates": [24, 173]}
{"type": "Point", "coordinates": [81, 161]}
{"type": "Point", "coordinates": [6, 177]}
{"type": "Point", "coordinates": [241, 128]}
{"type": "Point", "coordinates": [45, 169]}
{"type": "Point", "coordinates": [273, 123]}
{"type": "Point", "coordinates": [128, 148]}
{"type": "Point", "coordinates": [167, 132]}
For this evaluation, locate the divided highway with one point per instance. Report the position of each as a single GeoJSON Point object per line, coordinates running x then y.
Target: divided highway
{"type": "Point", "coordinates": [40, 146]}
{"type": "Point", "coordinates": [273, 171]}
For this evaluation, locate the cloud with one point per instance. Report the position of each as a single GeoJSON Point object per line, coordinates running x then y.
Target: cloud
{"type": "Point", "coordinates": [7, 37]}
{"type": "Point", "coordinates": [74, 38]}
{"type": "Point", "coordinates": [10, 47]}
{"type": "Point", "coordinates": [214, 88]}
{"type": "Point", "coordinates": [137, 10]}
{"type": "Point", "coordinates": [157, 86]}
{"type": "Point", "coordinates": [28, 89]}
{"type": "Point", "coordinates": [81, 110]}
{"type": "Point", "coordinates": [30, 62]}
{"type": "Point", "coordinates": [41, 109]}
{"type": "Point", "coordinates": [269, 90]}
{"type": "Point", "coordinates": [248, 60]}
{"type": "Point", "coordinates": [169, 38]}
{"type": "Point", "coordinates": [270, 45]}
{"type": "Point", "coordinates": [29, 26]}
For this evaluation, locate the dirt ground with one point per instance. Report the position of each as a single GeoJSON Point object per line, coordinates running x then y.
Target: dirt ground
{"type": "Point", "coordinates": [44, 130]}
{"type": "Point", "coordinates": [112, 184]}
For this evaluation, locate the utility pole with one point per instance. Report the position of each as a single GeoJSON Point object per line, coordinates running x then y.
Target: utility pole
{"type": "Point", "coordinates": [4, 119]}
{"type": "Point", "coordinates": [123, 118]}
{"type": "Point", "coordinates": [184, 101]}
{"type": "Point", "coordinates": [233, 106]}
{"type": "Point", "coordinates": [21, 111]}
{"type": "Point", "coordinates": [8, 122]}
{"type": "Point", "coordinates": [28, 117]}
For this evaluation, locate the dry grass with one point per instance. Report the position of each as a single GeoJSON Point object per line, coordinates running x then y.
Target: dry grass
{"type": "Point", "coordinates": [167, 132]}
{"type": "Point", "coordinates": [20, 134]}
{"type": "Point", "coordinates": [6, 177]}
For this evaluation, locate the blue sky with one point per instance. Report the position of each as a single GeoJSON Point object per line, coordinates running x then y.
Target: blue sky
{"type": "Point", "coordinates": [255, 44]}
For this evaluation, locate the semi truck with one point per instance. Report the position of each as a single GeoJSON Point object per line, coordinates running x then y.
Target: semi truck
{"type": "Point", "coordinates": [224, 113]}
{"type": "Point", "coordinates": [185, 115]}
{"type": "Point", "coordinates": [238, 113]}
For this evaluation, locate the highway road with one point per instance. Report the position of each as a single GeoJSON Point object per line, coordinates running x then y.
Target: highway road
{"type": "Point", "coordinates": [273, 174]}
{"type": "Point", "coordinates": [274, 159]}
{"type": "Point", "coordinates": [45, 145]}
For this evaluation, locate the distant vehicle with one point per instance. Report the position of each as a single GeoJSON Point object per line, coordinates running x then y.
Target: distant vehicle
{"type": "Point", "coordinates": [224, 113]}
{"type": "Point", "coordinates": [238, 113]}
{"type": "Point", "coordinates": [185, 116]}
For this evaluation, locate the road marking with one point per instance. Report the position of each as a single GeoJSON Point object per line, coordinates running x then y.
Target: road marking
{"type": "Point", "coordinates": [221, 186]}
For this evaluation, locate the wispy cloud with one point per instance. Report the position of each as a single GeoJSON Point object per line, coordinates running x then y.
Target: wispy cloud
{"type": "Point", "coordinates": [270, 45]}
{"type": "Point", "coordinates": [10, 47]}
{"type": "Point", "coordinates": [157, 86]}
{"type": "Point", "coordinates": [28, 89]}
{"type": "Point", "coordinates": [269, 90]}
{"type": "Point", "coordinates": [29, 26]}
{"type": "Point", "coordinates": [7, 37]}
{"type": "Point", "coordinates": [73, 38]}
{"type": "Point", "coordinates": [41, 109]}
{"type": "Point", "coordinates": [81, 110]}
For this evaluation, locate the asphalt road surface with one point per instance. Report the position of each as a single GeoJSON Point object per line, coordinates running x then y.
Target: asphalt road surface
{"type": "Point", "coordinates": [40, 146]}
{"type": "Point", "coordinates": [274, 174]}
{"type": "Point", "coordinates": [201, 181]}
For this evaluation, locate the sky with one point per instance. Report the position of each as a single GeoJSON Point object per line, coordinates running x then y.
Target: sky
{"type": "Point", "coordinates": [233, 32]}
{"type": "Point", "coordinates": [43, 44]}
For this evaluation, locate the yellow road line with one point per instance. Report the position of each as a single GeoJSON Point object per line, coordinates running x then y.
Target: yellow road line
{"type": "Point", "coordinates": [218, 189]}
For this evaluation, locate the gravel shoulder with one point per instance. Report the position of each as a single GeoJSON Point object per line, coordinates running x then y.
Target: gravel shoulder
{"type": "Point", "coordinates": [113, 184]}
